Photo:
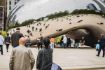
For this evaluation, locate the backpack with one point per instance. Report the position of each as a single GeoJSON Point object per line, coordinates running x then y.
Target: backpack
{"type": "Point", "coordinates": [97, 46]}
{"type": "Point", "coordinates": [55, 67]}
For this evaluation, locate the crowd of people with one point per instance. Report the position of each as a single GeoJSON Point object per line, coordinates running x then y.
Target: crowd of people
{"type": "Point", "coordinates": [65, 41]}
{"type": "Point", "coordinates": [22, 57]}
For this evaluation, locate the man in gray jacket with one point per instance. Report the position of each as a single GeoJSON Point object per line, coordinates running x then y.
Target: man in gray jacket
{"type": "Point", "coordinates": [21, 57]}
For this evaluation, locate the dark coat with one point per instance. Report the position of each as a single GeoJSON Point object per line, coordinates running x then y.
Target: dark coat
{"type": "Point", "coordinates": [44, 59]}
{"type": "Point", "coordinates": [102, 42]}
{"type": "Point", "coordinates": [55, 67]}
{"type": "Point", "coordinates": [7, 40]}
{"type": "Point", "coordinates": [68, 41]}
{"type": "Point", "coordinates": [15, 38]}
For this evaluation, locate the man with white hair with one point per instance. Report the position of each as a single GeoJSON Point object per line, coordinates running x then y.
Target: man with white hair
{"type": "Point", "coordinates": [21, 57]}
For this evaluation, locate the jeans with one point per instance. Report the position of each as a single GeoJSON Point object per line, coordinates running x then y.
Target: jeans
{"type": "Point", "coordinates": [103, 49]}
{"type": "Point", "coordinates": [1, 48]}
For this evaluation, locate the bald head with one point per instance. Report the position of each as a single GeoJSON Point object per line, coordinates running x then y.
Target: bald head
{"type": "Point", "coordinates": [22, 40]}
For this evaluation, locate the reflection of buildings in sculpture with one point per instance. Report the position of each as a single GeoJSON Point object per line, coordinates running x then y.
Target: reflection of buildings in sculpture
{"type": "Point", "coordinates": [101, 4]}
{"type": "Point", "coordinates": [12, 7]}
{"type": "Point", "coordinates": [103, 1]}
{"type": "Point", "coordinates": [11, 4]}
{"type": "Point", "coordinates": [91, 7]}
{"type": "Point", "coordinates": [15, 5]}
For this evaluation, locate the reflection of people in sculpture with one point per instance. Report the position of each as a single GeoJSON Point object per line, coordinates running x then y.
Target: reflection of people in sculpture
{"type": "Point", "coordinates": [82, 41]}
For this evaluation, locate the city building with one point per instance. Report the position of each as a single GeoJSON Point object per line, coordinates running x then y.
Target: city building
{"type": "Point", "coordinates": [3, 14]}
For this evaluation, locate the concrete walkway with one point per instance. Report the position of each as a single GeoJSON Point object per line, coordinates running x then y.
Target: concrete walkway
{"type": "Point", "coordinates": [68, 59]}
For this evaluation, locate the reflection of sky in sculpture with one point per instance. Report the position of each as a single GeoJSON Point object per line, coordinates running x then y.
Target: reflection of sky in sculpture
{"type": "Point", "coordinates": [39, 8]}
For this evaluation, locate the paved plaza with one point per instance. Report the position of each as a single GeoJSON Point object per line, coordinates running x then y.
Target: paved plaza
{"type": "Point", "coordinates": [68, 59]}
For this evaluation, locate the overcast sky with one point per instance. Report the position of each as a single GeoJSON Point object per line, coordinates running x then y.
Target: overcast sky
{"type": "Point", "coordinates": [41, 8]}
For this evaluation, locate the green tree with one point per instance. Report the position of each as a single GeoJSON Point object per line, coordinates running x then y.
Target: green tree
{"type": "Point", "coordinates": [85, 11]}
{"type": "Point", "coordinates": [27, 22]}
{"type": "Point", "coordinates": [17, 24]}
{"type": "Point", "coordinates": [58, 14]}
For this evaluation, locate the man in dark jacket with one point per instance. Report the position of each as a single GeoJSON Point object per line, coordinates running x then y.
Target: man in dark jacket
{"type": "Point", "coordinates": [77, 41]}
{"type": "Point", "coordinates": [68, 42]}
{"type": "Point", "coordinates": [7, 41]}
{"type": "Point", "coordinates": [102, 45]}
{"type": "Point", "coordinates": [15, 37]}
{"type": "Point", "coordinates": [44, 58]}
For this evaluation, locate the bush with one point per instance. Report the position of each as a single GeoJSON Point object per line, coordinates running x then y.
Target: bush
{"type": "Point", "coordinates": [27, 22]}
{"type": "Point", "coordinates": [17, 24]}
{"type": "Point", "coordinates": [85, 11]}
{"type": "Point", "coordinates": [40, 19]}
{"type": "Point", "coordinates": [58, 14]}
{"type": "Point", "coordinates": [4, 33]}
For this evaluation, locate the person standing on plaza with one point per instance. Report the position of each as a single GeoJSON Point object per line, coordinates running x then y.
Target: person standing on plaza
{"type": "Point", "coordinates": [102, 45]}
{"type": "Point", "coordinates": [15, 37]}
{"type": "Point", "coordinates": [28, 42]}
{"type": "Point", "coordinates": [52, 42]}
{"type": "Point", "coordinates": [64, 41]}
{"type": "Point", "coordinates": [82, 41]}
{"type": "Point", "coordinates": [1, 43]}
{"type": "Point", "coordinates": [77, 41]}
{"type": "Point", "coordinates": [68, 42]}
{"type": "Point", "coordinates": [61, 41]}
{"type": "Point", "coordinates": [41, 42]}
{"type": "Point", "coordinates": [44, 57]}
{"type": "Point", "coordinates": [21, 57]}
{"type": "Point", "coordinates": [97, 45]}
{"type": "Point", "coordinates": [7, 41]}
